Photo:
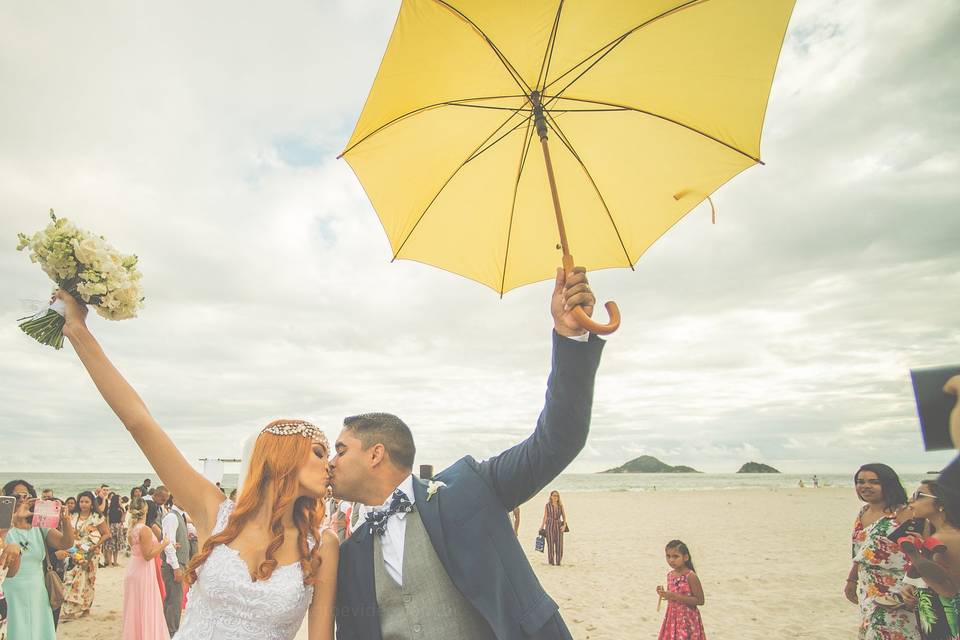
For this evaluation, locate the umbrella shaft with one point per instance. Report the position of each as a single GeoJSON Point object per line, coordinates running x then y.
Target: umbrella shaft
{"type": "Point", "coordinates": [540, 122]}
{"type": "Point", "coordinates": [556, 197]}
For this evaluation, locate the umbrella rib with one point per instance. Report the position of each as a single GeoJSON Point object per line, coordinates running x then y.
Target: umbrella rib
{"type": "Point", "coordinates": [620, 107]}
{"type": "Point", "coordinates": [569, 146]}
{"type": "Point", "coordinates": [527, 139]}
{"type": "Point", "coordinates": [478, 152]}
{"type": "Point", "coordinates": [473, 154]}
{"type": "Point", "coordinates": [447, 103]}
{"type": "Point", "coordinates": [486, 106]}
{"type": "Point", "coordinates": [548, 52]}
{"type": "Point", "coordinates": [586, 110]}
{"type": "Point", "coordinates": [503, 59]}
{"type": "Point", "coordinates": [613, 44]}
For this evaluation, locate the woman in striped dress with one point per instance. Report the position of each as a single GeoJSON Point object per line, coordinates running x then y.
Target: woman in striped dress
{"type": "Point", "coordinates": [554, 525]}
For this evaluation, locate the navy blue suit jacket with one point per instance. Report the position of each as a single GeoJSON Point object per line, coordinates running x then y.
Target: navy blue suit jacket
{"type": "Point", "coordinates": [467, 521]}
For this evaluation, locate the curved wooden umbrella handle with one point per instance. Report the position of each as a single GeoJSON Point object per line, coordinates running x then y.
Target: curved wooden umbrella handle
{"type": "Point", "coordinates": [585, 321]}
{"type": "Point", "coordinates": [593, 326]}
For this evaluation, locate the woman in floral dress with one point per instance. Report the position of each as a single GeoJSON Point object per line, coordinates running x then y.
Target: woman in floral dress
{"type": "Point", "coordinates": [875, 581]}
{"type": "Point", "coordinates": [80, 580]}
{"type": "Point", "coordinates": [938, 604]}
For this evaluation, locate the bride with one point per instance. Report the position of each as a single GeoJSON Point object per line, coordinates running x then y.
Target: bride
{"type": "Point", "coordinates": [263, 563]}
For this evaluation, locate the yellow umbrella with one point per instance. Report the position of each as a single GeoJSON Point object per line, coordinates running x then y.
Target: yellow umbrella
{"type": "Point", "coordinates": [652, 104]}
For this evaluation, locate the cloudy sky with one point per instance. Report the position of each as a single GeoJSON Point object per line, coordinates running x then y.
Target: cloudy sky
{"type": "Point", "coordinates": [203, 138]}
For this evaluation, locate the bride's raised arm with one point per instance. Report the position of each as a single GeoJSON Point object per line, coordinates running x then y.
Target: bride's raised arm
{"type": "Point", "coordinates": [194, 493]}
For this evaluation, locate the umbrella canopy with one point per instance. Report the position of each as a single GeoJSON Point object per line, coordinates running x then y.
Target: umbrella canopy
{"type": "Point", "coordinates": [651, 106]}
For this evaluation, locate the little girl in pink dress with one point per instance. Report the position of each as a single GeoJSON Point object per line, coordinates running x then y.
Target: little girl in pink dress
{"type": "Point", "coordinates": [142, 603]}
{"type": "Point", "coordinates": [683, 595]}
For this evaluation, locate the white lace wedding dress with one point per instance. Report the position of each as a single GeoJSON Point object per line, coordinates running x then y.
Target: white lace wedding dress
{"type": "Point", "coordinates": [225, 603]}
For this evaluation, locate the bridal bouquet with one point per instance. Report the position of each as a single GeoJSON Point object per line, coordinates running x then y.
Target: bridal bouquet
{"type": "Point", "coordinates": [87, 267]}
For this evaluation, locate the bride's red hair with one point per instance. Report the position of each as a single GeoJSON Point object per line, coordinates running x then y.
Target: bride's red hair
{"type": "Point", "coordinates": [272, 480]}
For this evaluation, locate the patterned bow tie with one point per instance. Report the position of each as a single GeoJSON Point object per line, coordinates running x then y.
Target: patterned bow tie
{"type": "Point", "coordinates": [377, 520]}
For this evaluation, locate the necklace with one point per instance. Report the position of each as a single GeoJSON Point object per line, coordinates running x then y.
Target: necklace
{"type": "Point", "coordinates": [22, 537]}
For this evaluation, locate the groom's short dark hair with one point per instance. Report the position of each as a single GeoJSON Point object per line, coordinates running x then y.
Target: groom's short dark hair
{"type": "Point", "coordinates": [388, 430]}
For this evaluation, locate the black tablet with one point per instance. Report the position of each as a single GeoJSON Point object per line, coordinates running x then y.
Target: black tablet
{"type": "Point", "coordinates": [933, 405]}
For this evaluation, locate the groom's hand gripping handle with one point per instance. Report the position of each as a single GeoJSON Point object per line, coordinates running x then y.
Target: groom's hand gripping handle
{"type": "Point", "coordinates": [570, 291]}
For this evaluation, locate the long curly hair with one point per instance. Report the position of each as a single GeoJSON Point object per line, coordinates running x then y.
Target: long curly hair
{"type": "Point", "coordinates": [273, 481]}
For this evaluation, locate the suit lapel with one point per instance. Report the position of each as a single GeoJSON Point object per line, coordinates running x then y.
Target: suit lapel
{"type": "Point", "coordinates": [362, 576]}
{"type": "Point", "coordinates": [430, 516]}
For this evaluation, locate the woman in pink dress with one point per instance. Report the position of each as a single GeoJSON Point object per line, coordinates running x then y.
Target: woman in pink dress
{"type": "Point", "coordinates": [142, 604]}
{"type": "Point", "coordinates": [683, 594]}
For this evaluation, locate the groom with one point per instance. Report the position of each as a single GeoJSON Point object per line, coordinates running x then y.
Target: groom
{"type": "Point", "coordinates": [440, 561]}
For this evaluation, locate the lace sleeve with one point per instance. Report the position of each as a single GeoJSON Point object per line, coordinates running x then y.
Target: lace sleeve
{"type": "Point", "coordinates": [223, 516]}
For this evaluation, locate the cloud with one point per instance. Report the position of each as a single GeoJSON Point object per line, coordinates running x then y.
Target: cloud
{"type": "Point", "coordinates": [204, 140]}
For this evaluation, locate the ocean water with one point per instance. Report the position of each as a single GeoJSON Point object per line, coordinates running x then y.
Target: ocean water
{"type": "Point", "coordinates": [67, 484]}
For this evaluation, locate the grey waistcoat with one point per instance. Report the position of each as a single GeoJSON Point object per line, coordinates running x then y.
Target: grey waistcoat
{"type": "Point", "coordinates": [183, 553]}
{"type": "Point", "coordinates": [428, 606]}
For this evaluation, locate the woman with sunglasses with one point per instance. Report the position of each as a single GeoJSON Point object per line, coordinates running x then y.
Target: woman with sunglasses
{"type": "Point", "coordinates": [875, 581]}
{"type": "Point", "coordinates": [938, 607]}
{"type": "Point", "coordinates": [29, 616]}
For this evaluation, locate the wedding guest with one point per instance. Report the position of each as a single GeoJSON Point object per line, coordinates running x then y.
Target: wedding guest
{"type": "Point", "coordinates": [192, 536]}
{"type": "Point", "coordinates": [70, 504]}
{"type": "Point", "coordinates": [288, 566]}
{"type": "Point", "coordinates": [29, 616]}
{"type": "Point", "coordinates": [142, 604]}
{"type": "Point", "coordinates": [136, 492]}
{"type": "Point", "coordinates": [174, 558]}
{"type": "Point", "coordinates": [125, 505]}
{"type": "Point", "coordinates": [683, 594]}
{"type": "Point", "coordinates": [153, 521]}
{"type": "Point", "coordinates": [940, 507]}
{"type": "Point", "coordinates": [554, 524]}
{"type": "Point", "coordinates": [57, 559]}
{"type": "Point", "coordinates": [115, 544]}
{"type": "Point", "coordinates": [47, 494]}
{"type": "Point", "coordinates": [80, 580]}
{"type": "Point", "coordinates": [145, 487]}
{"type": "Point", "coordinates": [102, 493]}
{"type": "Point", "coordinates": [875, 581]}
{"type": "Point", "coordinates": [9, 565]}
{"type": "Point", "coordinates": [339, 519]}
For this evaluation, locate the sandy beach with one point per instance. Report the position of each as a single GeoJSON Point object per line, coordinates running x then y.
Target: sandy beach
{"type": "Point", "coordinates": [772, 564]}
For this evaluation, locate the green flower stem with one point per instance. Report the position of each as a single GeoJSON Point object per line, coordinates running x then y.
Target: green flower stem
{"type": "Point", "coordinates": [46, 329]}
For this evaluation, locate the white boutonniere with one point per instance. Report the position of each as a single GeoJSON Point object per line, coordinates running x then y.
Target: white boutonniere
{"type": "Point", "coordinates": [432, 487]}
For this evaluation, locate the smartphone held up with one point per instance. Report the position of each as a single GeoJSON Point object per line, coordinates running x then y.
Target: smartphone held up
{"type": "Point", "coordinates": [7, 506]}
{"type": "Point", "coordinates": [46, 514]}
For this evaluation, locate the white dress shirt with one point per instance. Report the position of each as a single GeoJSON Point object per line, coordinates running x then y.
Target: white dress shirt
{"type": "Point", "coordinates": [169, 525]}
{"type": "Point", "coordinates": [391, 542]}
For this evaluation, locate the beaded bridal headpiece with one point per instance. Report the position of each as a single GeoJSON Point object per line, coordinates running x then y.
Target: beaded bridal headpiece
{"type": "Point", "coordinates": [297, 428]}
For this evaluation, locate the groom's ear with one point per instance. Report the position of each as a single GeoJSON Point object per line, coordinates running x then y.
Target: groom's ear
{"type": "Point", "coordinates": [378, 454]}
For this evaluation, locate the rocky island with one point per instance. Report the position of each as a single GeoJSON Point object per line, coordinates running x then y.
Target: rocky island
{"type": "Point", "coordinates": [757, 467]}
{"type": "Point", "coordinates": [649, 464]}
